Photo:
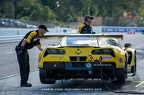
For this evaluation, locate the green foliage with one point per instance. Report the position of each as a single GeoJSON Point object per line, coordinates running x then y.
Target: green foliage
{"type": "Point", "coordinates": [67, 10]}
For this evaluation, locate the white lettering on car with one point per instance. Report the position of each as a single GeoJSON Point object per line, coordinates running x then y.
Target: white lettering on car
{"type": "Point", "coordinates": [106, 58]}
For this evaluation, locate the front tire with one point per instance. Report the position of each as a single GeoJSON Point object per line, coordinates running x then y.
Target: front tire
{"type": "Point", "coordinates": [133, 69]}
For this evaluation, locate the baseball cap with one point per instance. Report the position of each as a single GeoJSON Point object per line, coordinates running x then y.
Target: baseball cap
{"type": "Point", "coordinates": [87, 16]}
{"type": "Point", "coordinates": [43, 27]}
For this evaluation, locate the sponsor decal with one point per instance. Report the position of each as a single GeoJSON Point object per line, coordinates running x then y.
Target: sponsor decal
{"type": "Point", "coordinates": [106, 58]}
{"type": "Point", "coordinates": [120, 60]}
{"type": "Point", "coordinates": [57, 56]}
{"type": "Point", "coordinates": [88, 65]}
{"type": "Point", "coordinates": [102, 65]}
{"type": "Point", "coordinates": [121, 29]}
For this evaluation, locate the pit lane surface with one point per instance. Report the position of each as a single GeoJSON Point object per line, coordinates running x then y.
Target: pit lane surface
{"type": "Point", "coordinates": [9, 76]}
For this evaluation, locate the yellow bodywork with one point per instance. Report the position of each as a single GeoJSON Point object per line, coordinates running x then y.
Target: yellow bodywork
{"type": "Point", "coordinates": [120, 58]}
{"type": "Point", "coordinates": [119, 55]}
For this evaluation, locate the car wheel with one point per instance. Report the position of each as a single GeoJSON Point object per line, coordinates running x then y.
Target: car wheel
{"type": "Point", "coordinates": [121, 76]}
{"type": "Point", "coordinates": [42, 74]}
{"type": "Point", "coordinates": [133, 69]}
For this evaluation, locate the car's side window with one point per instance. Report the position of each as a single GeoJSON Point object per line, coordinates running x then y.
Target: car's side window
{"type": "Point", "coordinates": [112, 42]}
{"type": "Point", "coordinates": [109, 41]}
{"type": "Point", "coordinates": [115, 43]}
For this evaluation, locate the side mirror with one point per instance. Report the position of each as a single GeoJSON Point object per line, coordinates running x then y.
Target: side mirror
{"type": "Point", "coordinates": [127, 45]}
{"type": "Point", "coordinates": [51, 44]}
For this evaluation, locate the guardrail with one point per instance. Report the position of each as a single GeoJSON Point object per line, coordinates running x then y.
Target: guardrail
{"type": "Point", "coordinates": [16, 34]}
{"type": "Point", "coordinates": [14, 38]}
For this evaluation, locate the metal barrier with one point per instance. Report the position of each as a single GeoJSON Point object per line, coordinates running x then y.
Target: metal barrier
{"type": "Point", "coordinates": [16, 34]}
{"type": "Point", "coordinates": [14, 38]}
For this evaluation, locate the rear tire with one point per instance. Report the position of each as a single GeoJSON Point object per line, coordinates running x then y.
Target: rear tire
{"type": "Point", "coordinates": [42, 75]}
{"type": "Point", "coordinates": [121, 76]}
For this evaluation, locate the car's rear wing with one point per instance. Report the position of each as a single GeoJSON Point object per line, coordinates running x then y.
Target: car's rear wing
{"type": "Point", "coordinates": [80, 35]}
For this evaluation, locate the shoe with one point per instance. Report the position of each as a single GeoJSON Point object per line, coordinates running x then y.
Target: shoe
{"type": "Point", "coordinates": [26, 85]}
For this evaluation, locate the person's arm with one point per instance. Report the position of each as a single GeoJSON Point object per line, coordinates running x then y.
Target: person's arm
{"type": "Point", "coordinates": [28, 38]}
{"type": "Point", "coordinates": [40, 48]}
{"type": "Point", "coordinates": [21, 48]}
{"type": "Point", "coordinates": [23, 43]}
{"type": "Point", "coordinates": [80, 29]}
{"type": "Point", "coordinates": [38, 44]}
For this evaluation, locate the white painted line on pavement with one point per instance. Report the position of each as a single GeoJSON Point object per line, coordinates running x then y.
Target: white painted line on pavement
{"type": "Point", "coordinates": [15, 75]}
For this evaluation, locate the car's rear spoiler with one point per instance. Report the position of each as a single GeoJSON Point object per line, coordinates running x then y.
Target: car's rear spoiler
{"type": "Point", "coordinates": [80, 35]}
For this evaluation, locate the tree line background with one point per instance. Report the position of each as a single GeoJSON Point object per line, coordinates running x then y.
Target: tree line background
{"type": "Point", "coordinates": [67, 10]}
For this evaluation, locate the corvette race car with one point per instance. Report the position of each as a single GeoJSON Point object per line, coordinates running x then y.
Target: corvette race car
{"type": "Point", "coordinates": [86, 56]}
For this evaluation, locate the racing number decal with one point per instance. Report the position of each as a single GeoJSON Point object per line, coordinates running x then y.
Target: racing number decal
{"type": "Point", "coordinates": [90, 57]}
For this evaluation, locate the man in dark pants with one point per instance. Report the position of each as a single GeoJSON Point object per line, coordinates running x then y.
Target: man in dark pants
{"type": "Point", "coordinates": [28, 42]}
{"type": "Point", "coordinates": [86, 27]}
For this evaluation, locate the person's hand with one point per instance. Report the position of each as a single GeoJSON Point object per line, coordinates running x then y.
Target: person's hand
{"type": "Point", "coordinates": [39, 47]}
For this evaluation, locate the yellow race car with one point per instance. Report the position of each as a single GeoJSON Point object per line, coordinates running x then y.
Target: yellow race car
{"type": "Point", "coordinates": [86, 56]}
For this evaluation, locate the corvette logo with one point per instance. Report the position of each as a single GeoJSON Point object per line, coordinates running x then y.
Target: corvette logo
{"type": "Point", "coordinates": [78, 52]}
